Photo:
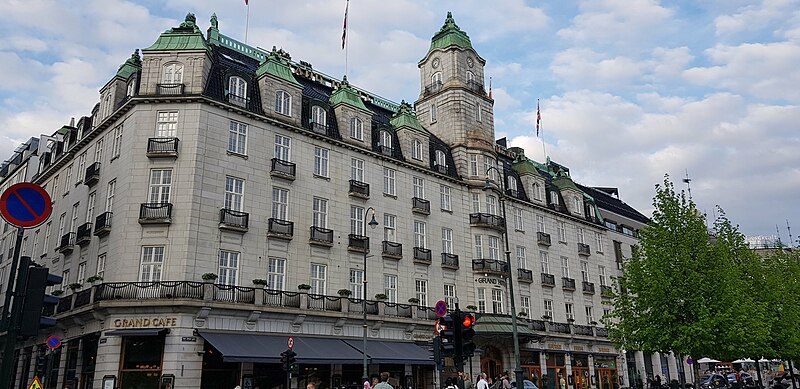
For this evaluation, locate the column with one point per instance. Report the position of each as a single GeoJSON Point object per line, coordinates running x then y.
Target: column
{"type": "Point", "coordinates": [656, 358]}
{"type": "Point", "coordinates": [109, 350]}
{"type": "Point", "coordinates": [672, 364]}
{"type": "Point", "coordinates": [568, 363]}
{"type": "Point", "coordinates": [622, 370]}
{"type": "Point", "coordinates": [543, 365]}
{"type": "Point", "coordinates": [641, 372]}
{"type": "Point", "coordinates": [183, 358]}
{"type": "Point", "coordinates": [592, 379]}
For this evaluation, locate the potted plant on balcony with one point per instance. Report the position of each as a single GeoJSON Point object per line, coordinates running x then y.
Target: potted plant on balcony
{"type": "Point", "coordinates": [413, 300]}
{"type": "Point", "coordinates": [260, 281]}
{"type": "Point", "coordinates": [304, 287]}
{"type": "Point", "coordinates": [75, 286]}
{"type": "Point", "coordinates": [209, 276]}
{"type": "Point", "coordinates": [546, 317]}
{"type": "Point", "coordinates": [58, 292]}
{"type": "Point", "coordinates": [93, 279]}
{"type": "Point", "coordinates": [344, 292]}
{"type": "Point", "coordinates": [522, 314]}
{"type": "Point", "coordinates": [381, 297]}
{"type": "Point", "coordinates": [472, 308]}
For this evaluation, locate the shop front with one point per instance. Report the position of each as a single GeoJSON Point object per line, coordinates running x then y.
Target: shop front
{"type": "Point", "coordinates": [580, 371]}
{"type": "Point", "coordinates": [531, 367]}
{"type": "Point", "coordinates": [556, 371]}
{"type": "Point", "coordinates": [605, 371]}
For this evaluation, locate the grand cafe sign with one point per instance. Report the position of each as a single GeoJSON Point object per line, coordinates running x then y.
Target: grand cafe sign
{"type": "Point", "coordinates": [146, 322]}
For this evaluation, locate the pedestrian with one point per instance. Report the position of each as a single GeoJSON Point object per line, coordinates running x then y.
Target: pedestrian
{"type": "Point", "coordinates": [468, 382]}
{"type": "Point", "coordinates": [482, 383]}
{"type": "Point", "coordinates": [448, 383]}
{"type": "Point", "coordinates": [506, 382]}
{"type": "Point", "coordinates": [374, 382]}
{"type": "Point", "coordinates": [562, 383]}
{"type": "Point", "coordinates": [311, 385]}
{"type": "Point", "coordinates": [384, 384]}
{"type": "Point", "coordinates": [164, 385]}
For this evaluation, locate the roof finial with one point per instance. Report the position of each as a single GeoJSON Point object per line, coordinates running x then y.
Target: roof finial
{"type": "Point", "coordinates": [214, 22]}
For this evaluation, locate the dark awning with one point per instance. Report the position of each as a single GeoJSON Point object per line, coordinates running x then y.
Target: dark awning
{"type": "Point", "coordinates": [246, 347]}
{"type": "Point", "coordinates": [393, 352]}
{"type": "Point", "coordinates": [138, 332]}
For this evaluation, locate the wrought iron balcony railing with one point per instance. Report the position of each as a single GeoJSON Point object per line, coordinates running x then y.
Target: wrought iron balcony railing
{"type": "Point", "coordinates": [583, 249]}
{"type": "Point", "coordinates": [548, 280]}
{"type": "Point", "coordinates": [567, 283]}
{"type": "Point", "coordinates": [155, 213]}
{"type": "Point", "coordinates": [422, 255]}
{"type": "Point", "coordinates": [588, 287]}
{"type": "Point", "coordinates": [358, 243]}
{"type": "Point", "coordinates": [233, 220]}
{"type": "Point", "coordinates": [525, 275]}
{"type": "Point", "coordinates": [450, 261]}
{"type": "Point", "coordinates": [543, 238]}
{"type": "Point", "coordinates": [487, 220]}
{"type": "Point", "coordinates": [102, 223]}
{"type": "Point", "coordinates": [359, 189]}
{"type": "Point", "coordinates": [67, 243]}
{"type": "Point", "coordinates": [391, 249]}
{"type": "Point", "coordinates": [169, 89]}
{"type": "Point", "coordinates": [420, 205]}
{"type": "Point", "coordinates": [278, 228]}
{"type": "Point", "coordinates": [283, 169]}
{"type": "Point", "coordinates": [92, 174]}
{"type": "Point", "coordinates": [162, 147]}
{"type": "Point", "coordinates": [495, 266]}
{"type": "Point", "coordinates": [321, 236]}
{"type": "Point", "coordinates": [84, 235]}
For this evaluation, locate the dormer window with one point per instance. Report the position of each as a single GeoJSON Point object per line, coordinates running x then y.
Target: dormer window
{"type": "Point", "coordinates": [576, 203]}
{"type": "Point", "coordinates": [356, 129]}
{"type": "Point", "coordinates": [554, 197]}
{"type": "Point", "coordinates": [537, 191]}
{"type": "Point", "coordinates": [237, 91]}
{"type": "Point", "coordinates": [283, 103]}
{"type": "Point", "coordinates": [131, 89]}
{"type": "Point", "coordinates": [173, 73]}
{"type": "Point", "coordinates": [416, 149]}
{"type": "Point", "coordinates": [385, 141]}
{"type": "Point", "coordinates": [318, 116]}
{"type": "Point", "coordinates": [512, 185]}
{"type": "Point", "coordinates": [441, 159]}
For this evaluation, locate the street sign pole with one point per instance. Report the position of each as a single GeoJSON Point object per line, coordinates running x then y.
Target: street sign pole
{"type": "Point", "coordinates": [12, 323]}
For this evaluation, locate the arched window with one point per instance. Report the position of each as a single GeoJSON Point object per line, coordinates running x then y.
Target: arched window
{"type": "Point", "coordinates": [356, 128]}
{"type": "Point", "coordinates": [470, 77]}
{"type": "Point", "coordinates": [173, 74]}
{"type": "Point", "coordinates": [131, 87]}
{"type": "Point", "coordinates": [434, 115]}
{"type": "Point", "coordinates": [416, 149]}
{"type": "Point", "coordinates": [237, 91]}
{"type": "Point", "coordinates": [441, 160]}
{"type": "Point", "coordinates": [283, 103]}
{"type": "Point", "coordinates": [576, 203]}
{"type": "Point", "coordinates": [554, 197]}
{"type": "Point", "coordinates": [512, 185]}
{"type": "Point", "coordinates": [537, 191]}
{"type": "Point", "coordinates": [436, 78]}
{"type": "Point", "coordinates": [385, 140]}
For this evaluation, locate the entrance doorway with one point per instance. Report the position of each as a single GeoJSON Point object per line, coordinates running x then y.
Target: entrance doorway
{"type": "Point", "coordinates": [556, 372]}
{"type": "Point", "coordinates": [492, 362]}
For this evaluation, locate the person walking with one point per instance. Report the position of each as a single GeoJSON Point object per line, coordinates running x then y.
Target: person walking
{"type": "Point", "coordinates": [384, 384]}
{"type": "Point", "coordinates": [482, 383]}
{"type": "Point", "coordinates": [468, 382]}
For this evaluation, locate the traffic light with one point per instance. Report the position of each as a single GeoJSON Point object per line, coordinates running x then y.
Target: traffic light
{"type": "Point", "coordinates": [288, 360]}
{"type": "Point", "coordinates": [41, 365]}
{"type": "Point", "coordinates": [447, 333]}
{"type": "Point", "coordinates": [437, 353]}
{"type": "Point", "coordinates": [35, 299]}
{"type": "Point", "coordinates": [467, 333]}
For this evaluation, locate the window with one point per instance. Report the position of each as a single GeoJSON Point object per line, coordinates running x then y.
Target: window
{"type": "Point", "coordinates": [478, 246]}
{"type": "Point", "coordinates": [601, 272]}
{"type": "Point", "coordinates": [173, 74]}
{"type": "Point", "coordinates": [55, 186]}
{"type": "Point", "coordinates": [416, 149]}
{"type": "Point", "coordinates": [584, 271]}
{"type": "Point", "coordinates": [90, 207]}
{"type": "Point", "coordinates": [581, 238]}
{"type": "Point", "coordinates": [237, 88]}
{"type": "Point", "coordinates": [389, 228]}
{"type": "Point", "coordinates": [47, 229]}
{"type": "Point", "coordinates": [129, 91]}
{"type": "Point", "coordinates": [67, 181]}
{"type": "Point", "coordinates": [494, 247]}
{"type": "Point", "coordinates": [576, 205]}
{"type": "Point", "coordinates": [481, 295]}
{"type": "Point", "coordinates": [283, 148]}
{"type": "Point", "coordinates": [522, 261]}
{"type": "Point", "coordinates": [356, 220]}
{"type": "Point", "coordinates": [276, 273]}
{"type": "Point", "coordinates": [283, 103]}
{"type": "Point", "coordinates": [385, 139]}
{"type": "Point", "coordinates": [389, 181]}
{"type": "Point", "coordinates": [390, 287]}
{"type": "Point", "coordinates": [357, 283]}
{"type": "Point", "coordinates": [237, 140]}
{"type": "Point", "coordinates": [64, 280]}
{"type": "Point", "coordinates": [568, 308]}
{"type": "Point", "coordinates": [101, 264]}
{"type": "Point", "coordinates": [564, 267]}
{"type": "Point", "coordinates": [441, 158]}
{"type": "Point", "coordinates": [81, 168]}
{"type": "Point", "coordinates": [421, 288]}
{"type": "Point", "coordinates": [447, 240]}
{"type": "Point", "coordinates": [497, 300]}
{"type": "Point", "coordinates": [554, 197]}
{"type": "Point", "coordinates": [116, 147]}
{"type": "Point", "coordinates": [470, 76]}
{"type": "Point", "coordinates": [320, 212]}
{"type": "Point", "coordinates": [598, 241]}
{"type": "Point", "coordinates": [234, 194]}
{"type": "Point", "coordinates": [526, 305]}
{"type": "Point", "coordinates": [519, 223]}
{"type": "Point", "coordinates": [548, 309]}
{"type": "Point", "coordinates": [228, 267]}
{"type": "Point", "coordinates": [606, 312]}
{"type": "Point", "coordinates": [62, 224]}
{"type": "Point", "coordinates": [589, 315]}
{"type": "Point", "coordinates": [545, 260]}
{"type": "Point", "coordinates": [473, 165]}
{"type": "Point", "coordinates": [436, 78]}
{"type": "Point", "coordinates": [450, 295]}
{"type": "Point", "coordinates": [98, 150]}
{"type": "Point", "coordinates": [160, 184]}
{"type": "Point", "coordinates": [318, 116]}
{"type": "Point", "coordinates": [356, 128]}
{"type": "Point", "coordinates": [562, 232]}
{"type": "Point", "coordinates": [152, 263]}
{"type": "Point", "coordinates": [74, 223]}
{"type": "Point", "coordinates": [167, 124]}
{"type": "Point", "coordinates": [434, 115]}
{"type": "Point", "coordinates": [489, 162]}
{"type": "Point", "coordinates": [419, 187]}
{"type": "Point", "coordinates": [321, 161]}
{"type": "Point", "coordinates": [476, 203]}
{"type": "Point", "coordinates": [537, 191]}
{"type": "Point", "coordinates": [110, 188]}
{"type": "Point", "coordinates": [419, 234]}
{"type": "Point", "coordinates": [357, 169]}
{"type": "Point", "coordinates": [540, 224]}
{"type": "Point", "coordinates": [318, 278]}
{"type": "Point", "coordinates": [491, 205]}
{"type": "Point", "coordinates": [511, 183]}
{"type": "Point", "coordinates": [478, 113]}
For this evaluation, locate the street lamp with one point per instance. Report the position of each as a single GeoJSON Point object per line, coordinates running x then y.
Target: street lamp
{"type": "Point", "coordinates": [490, 186]}
{"type": "Point", "coordinates": [372, 223]}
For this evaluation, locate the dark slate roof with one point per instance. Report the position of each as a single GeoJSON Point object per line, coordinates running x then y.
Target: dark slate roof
{"type": "Point", "coordinates": [606, 201]}
{"type": "Point", "coordinates": [228, 63]}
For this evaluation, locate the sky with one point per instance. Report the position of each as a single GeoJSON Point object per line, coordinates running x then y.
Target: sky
{"type": "Point", "coordinates": [629, 90]}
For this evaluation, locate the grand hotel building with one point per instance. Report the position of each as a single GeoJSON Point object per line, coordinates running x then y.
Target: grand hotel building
{"type": "Point", "coordinates": [215, 201]}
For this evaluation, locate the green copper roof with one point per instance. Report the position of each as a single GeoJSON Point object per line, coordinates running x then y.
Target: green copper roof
{"type": "Point", "coordinates": [185, 37]}
{"type": "Point", "coordinates": [131, 66]}
{"type": "Point", "coordinates": [450, 35]}
{"type": "Point", "coordinates": [523, 165]}
{"type": "Point", "coordinates": [346, 94]}
{"type": "Point", "coordinates": [562, 181]}
{"type": "Point", "coordinates": [277, 65]}
{"type": "Point", "coordinates": [404, 117]}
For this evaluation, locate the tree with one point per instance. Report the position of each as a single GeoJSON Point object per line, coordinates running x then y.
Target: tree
{"type": "Point", "coordinates": [781, 297]}
{"type": "Point", "coordinates": [689, 290]}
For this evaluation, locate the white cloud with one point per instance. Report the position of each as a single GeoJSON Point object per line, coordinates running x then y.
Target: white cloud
{"type": "Point", "coordinates": [618, 22]}
{"type": "Point", "coordinates": [754, 16]}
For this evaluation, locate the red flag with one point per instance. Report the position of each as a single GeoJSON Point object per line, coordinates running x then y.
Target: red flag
{"type": "Point", "coordinates": [538, 117]}
{"type": "Point", "coordinates": [344, 27]}
{"type": "Point", "coordinates": [490, 87]}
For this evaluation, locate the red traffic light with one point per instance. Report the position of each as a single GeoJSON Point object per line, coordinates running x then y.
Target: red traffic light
{"type": "Point", "coordinates": [469, 320]}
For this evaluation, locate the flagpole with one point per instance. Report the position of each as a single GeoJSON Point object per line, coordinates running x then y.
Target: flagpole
{"type": "Point", "coordinates": [247, 21]}
{"type": "Point", "coordinates": [345, 38]}
{"type": "Point", "coordinates": [538, 127]}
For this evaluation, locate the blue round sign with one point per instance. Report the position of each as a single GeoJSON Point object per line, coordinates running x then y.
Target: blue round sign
{"type": "Point", "coordinates": [441, 308]}
{"type": "Point", "coordinates": [25, 205]}
{"type": "Point", "coordinates": [54, 342]}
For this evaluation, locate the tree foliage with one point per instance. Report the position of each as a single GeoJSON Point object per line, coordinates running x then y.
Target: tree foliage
{"type": "Point", "coordinates": [691, 290]}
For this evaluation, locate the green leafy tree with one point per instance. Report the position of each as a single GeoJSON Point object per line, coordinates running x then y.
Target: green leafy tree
{"type": "Point", "coordinates": [781, 297]}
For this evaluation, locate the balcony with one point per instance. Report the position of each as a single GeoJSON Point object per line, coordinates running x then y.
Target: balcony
{"type": "Point", "coordinates": [319, 128]}
{"type": "Point", "coordinates": [419, 205]}
{"type": "Point", "coordinates": [433, 87]}
{"type": "Point", "coordinates": [283, 169]}
{"type": "Point", "coordinates": [155, 213]}
{"type": "Point", "coordinates": [442, 169]}
{"type": "Point", "coordinates": [281, 229]}
{"type": "Point", "coordinates": [449, 261]}
{"type": "Point", "coordinates": [525, 275]}
{"type": "Point", "coordinates": [359, 189]}
{"type": "Point", "coordinates": [84, 235]}
{"type": "Point", "coordinates": [391, 249]}
{"type": "Point", "coordinates": [92, 174]}
{"type": "Point", "coordinates": [358, 243]}
{"type": "Point", "coordinates": [321, 236]}
{"type": "Point", "coordinates": [240, 101]}
{"type": "Point", "coordinates": [561, 328]}
{"type": "Point", "coordinates": [233, 220]}
{"type": "Point", "coordinates": [494, 266]}
{"type": "Point", "coordinates": [169, 89]}
{"type": "Point", "coordinates": [606, 291]}
{"type": "Point", "coordinates": [548, 280]}
{"type": "Point", "coordinates": [588, 287]}
{"type": "Point", "coordinates": [67, 243]}
{"type": "Point", "coordinates": [601, 332]}
{"type": "Point", "coordinates": [102, 223]}
{"type": "Point", "coordinates": [583, 249]}
{"type": "Point", "coordinates": [422, 255]}
{"type": "Point", "coordinates": [567, 283]}
{"type": "Point", "coordinates": [476, 86]}
{"type": "Point", "coordinates": [162, 147]}
{"type": "Point", "coordinates": [543, 238]}
{"type": "Point", "coordinates": [487, 220]}
{"type": "Point", "coordinates": [583, 330]}
{"type": "Point", "coordinates": [386, 150]}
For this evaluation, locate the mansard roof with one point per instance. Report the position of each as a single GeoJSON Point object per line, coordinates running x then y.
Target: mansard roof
{"type": "Point", "coordinates": [187, 36]}
{"type": "Point", "coordinates": [605, 201]}
{"type": "Point", "coordinates": [450, 35]}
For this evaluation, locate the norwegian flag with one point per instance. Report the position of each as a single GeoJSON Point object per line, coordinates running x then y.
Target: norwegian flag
{"type": "Point", "coordinates": [538, 117]}
{"type": "Point", "coordinates": [344, 27]}
{"type": "Point", "coordinates": [246, 2]}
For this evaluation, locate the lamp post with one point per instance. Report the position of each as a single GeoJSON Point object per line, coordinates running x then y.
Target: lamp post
{"type": "Point", "coordinates": [489, 185]}
{"type": "Point", "coordinates": [372, 223]}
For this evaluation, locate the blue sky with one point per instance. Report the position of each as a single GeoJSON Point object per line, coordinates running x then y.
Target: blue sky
{"type": "Point", "coordinates": [630, 90]}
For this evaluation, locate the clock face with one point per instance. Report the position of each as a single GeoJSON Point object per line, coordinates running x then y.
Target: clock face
{"type": "Point", "coordinates": [435, 63]}
{"type": "Point", "coordinates": [470, 62]}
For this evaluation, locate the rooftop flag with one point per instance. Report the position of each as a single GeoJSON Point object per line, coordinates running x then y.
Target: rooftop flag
{"type": "Point", "coordinates": [344, 27]}
{"type": "Point", "coordinates": [538, 117]}
{"type": "Point", "coordinates": [490, 87]}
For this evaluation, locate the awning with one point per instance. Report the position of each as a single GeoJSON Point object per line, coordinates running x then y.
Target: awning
{"type": "Point", "coordinates": [246, 347]}
{"type": "Point", "coordinates": [501, 325]}
{"type": "Point", "coordinates": [138, 332]}
{"type": "Point", "coordinates": [393, 352]}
